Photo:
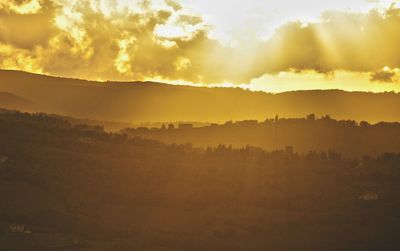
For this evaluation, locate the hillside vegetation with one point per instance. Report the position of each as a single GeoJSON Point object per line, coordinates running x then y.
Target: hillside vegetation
{"type": "Point", "coordinates": [348, 137]}
{"type": "Point", "coordinates": [108, 192]}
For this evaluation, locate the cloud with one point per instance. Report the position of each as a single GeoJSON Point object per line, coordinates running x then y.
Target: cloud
{"type": "Point", "coordinates": [383, 76]}
{"type": "Point", "coordinates": [189, 19]}
{"type": "Point", "coordinates": [20, 6]}
{"type": "Point", "coordinates": [175, 5]}
{"type": "Point", "coordinates": [101, 39]}
{"type": "Point", "coordinates": [29, 29]}
{"type": "Point", "coordinates": [341, 41]}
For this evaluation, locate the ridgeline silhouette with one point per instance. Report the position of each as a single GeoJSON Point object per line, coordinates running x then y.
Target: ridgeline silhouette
{"type": "Point", "coordinates": [138, 102]}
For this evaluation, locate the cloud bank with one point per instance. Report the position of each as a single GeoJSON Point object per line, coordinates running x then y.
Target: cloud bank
{"type": "Point", "coordinates": [140, 40]}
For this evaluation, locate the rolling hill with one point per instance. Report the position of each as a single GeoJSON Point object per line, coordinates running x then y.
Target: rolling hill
{"type": "Point", "coordinates": [151, 102]}
{"type": "Point", "coordinates": [12, 101]}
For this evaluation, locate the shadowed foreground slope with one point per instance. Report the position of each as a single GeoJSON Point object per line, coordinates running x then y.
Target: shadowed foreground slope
{"type": "Point", "coordinates": [79, 188]}
{"type": "Point", "coordinates": [152, 102]}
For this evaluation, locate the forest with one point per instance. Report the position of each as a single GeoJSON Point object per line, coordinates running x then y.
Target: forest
{"type": "Point", "coordinates": [78, 187]}
{"type": "Point", "coordinates": [351, 138]}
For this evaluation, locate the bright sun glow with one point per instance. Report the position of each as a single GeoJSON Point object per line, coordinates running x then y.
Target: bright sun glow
{"type": "Point", "coordinates": [233, 19]}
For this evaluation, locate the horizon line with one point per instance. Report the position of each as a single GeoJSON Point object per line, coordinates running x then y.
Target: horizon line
{"type": "Point", "coordinates": [195, 85]}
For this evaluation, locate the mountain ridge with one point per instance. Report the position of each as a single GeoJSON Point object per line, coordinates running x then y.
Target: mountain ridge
{"type": "Point", "coordinates": [137, 102]}
{"type": "Point", "coordinates": [114, 82]}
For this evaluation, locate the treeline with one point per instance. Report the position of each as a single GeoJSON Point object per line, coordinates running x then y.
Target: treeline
{"type": "Point", "coordinates": [348, 137]}
{"type": "Point", "coordinates": [152, 195]}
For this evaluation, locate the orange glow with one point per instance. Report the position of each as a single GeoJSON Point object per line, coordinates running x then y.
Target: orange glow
{"type": "Point", "coordinates": [319, 47]}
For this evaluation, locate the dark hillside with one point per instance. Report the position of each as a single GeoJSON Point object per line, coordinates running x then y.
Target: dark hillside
{"type": "Point", "coordinates": [153, 102]}
{"type": "Point", "coordinates": [79, 188]}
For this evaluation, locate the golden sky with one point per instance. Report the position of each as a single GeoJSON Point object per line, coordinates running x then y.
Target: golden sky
{"type": "Point", "coordinates": [256, 44]}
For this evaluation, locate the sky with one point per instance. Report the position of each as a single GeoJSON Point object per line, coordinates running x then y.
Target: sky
{"type": "Point", "coordinates": [260, 45]}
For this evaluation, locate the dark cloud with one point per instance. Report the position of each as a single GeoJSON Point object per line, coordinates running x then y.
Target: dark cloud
{"type": "Point", "coordinates": [383, 76]}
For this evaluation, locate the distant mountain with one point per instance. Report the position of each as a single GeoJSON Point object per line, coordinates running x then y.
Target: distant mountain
{"type": "Point", "coordinates": [11, 101]}
{"type": "Point", "coordinates": [151, 102]}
